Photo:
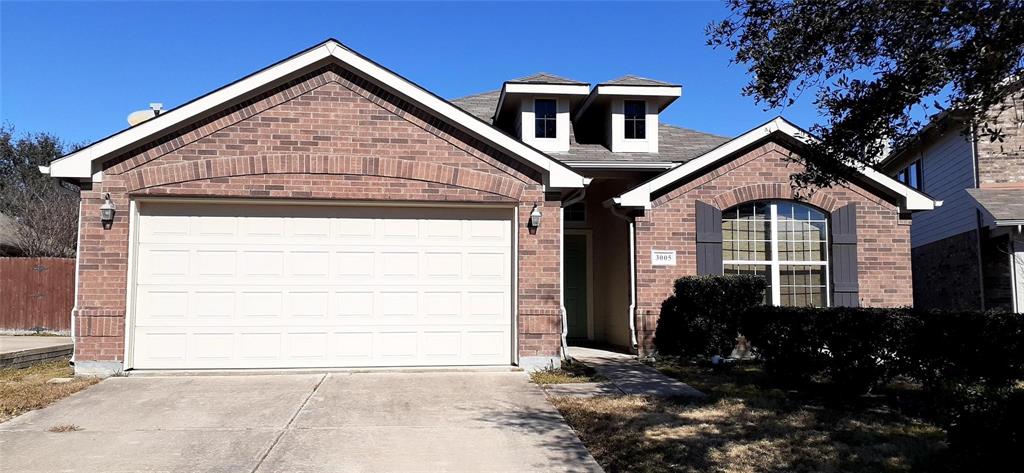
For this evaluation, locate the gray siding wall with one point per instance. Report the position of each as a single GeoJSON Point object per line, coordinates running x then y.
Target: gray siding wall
{"type": "Point", "coordinates": [947, 170]}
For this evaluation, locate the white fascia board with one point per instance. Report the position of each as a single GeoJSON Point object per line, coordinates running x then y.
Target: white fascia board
{"type": "Point", "coordinates": [640, 196]}
{"type": "Point", "coordinates": [539, 89]}
{"type": "Point", "coordinates": [641, 90]}
{"type": "Point", "coordinates": [547, 89]}
{"type": "Point", "coordinates": [79, 164]}
{"type": "Point", "coordinates": [621, 165]}
{"type": "Point", "coordinates": [671, 92]}
{"type": "Point", "coordinates": [912, 199]}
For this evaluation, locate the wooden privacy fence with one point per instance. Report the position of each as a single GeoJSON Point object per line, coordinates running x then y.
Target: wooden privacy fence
{"type": "Point", "coordinates": [36, 293]}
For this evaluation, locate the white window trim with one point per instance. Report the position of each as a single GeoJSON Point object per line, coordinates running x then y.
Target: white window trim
{"type": "Point", "coordinates": [619, 142]}
{"type": "Point", "coordinates": [528, 124]}
{"type": "Point", "coordinates": [775, 264]}
{"type": "Point", "coordinates": [535, 118]}
{"type": "Point", "coordinates": [625, 119]}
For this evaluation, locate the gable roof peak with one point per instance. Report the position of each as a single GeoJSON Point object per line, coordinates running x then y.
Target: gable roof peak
{"type": "Point", "coordinates": [641, 195]}
{"type": "Point", "coordinates": [84, 163]}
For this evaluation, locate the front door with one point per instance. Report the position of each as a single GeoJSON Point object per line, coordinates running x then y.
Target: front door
{"type": "Point", "coordinates": [575, 285]}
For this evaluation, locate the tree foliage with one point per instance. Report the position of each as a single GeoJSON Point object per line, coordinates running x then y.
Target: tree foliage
{"type": "Point", "coordinates": [43, 211]}
{"type": "Point", "coordinates": [875, 65]}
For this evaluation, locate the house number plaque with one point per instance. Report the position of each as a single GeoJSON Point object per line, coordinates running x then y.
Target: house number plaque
{"type": "Point", "coordinates": [663, 257]}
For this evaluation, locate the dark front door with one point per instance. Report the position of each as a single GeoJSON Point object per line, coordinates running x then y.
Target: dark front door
{"type": "Point", "coordinates": [575, 285]}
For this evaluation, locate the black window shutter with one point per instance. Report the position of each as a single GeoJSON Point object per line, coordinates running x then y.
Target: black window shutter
{"type": "Point", "coordinates": [709, 239]}
{"type": "Point", "coordinates": [844, 257]}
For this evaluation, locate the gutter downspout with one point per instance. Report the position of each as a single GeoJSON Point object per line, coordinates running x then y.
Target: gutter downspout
{"type": "Point", "coordinates": [78, 261]}
{"type": "Point", "coordinates": [561, 269]}
{"type": "Point", "coordinates": [616, 211]}
{"type": "Point", "coordinates": [976, 171]}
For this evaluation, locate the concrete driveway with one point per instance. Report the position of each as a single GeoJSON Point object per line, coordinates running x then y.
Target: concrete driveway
{"type": "Point", "coordinates": [454, 421]}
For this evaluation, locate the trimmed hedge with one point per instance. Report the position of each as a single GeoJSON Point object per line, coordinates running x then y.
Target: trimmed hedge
{"type": "Point", "coordinates": [969, 362]}
{"type": "Point", "coordinates": [986, 428]}
{"type": "Point", "coordinates": [852, 347]}
{"type": "Point", "coordinates": [702, 318]}
{"type": "Point", "coordinates": [864, 348]}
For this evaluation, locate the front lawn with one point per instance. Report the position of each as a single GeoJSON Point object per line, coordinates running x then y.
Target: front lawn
{"type": "Point", "coordinates": [570, 372]}
{"type": "Point", "coordinates": [25, 389]}
{"type": "Point", "coordinates": [745, 425]}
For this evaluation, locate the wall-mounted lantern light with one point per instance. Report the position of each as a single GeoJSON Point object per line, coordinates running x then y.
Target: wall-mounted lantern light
{"type": "Point", "coordinates": [107, 211]}
{"type": "Point", "coordinates": [535, 216]}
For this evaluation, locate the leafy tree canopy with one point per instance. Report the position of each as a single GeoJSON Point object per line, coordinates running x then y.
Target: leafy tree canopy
{"type": "Point", "coordinates": [40, 214]}
{"type": "Point", "coordinates": [876, 67]}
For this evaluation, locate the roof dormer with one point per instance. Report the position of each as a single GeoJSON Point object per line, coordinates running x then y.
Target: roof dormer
{"type": "Point", "coordinates": [536, 109]}
{"type": "Point", "coordinates": [627, 109]}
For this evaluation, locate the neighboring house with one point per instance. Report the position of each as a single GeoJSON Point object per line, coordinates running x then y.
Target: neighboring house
{"type": "Point", "coordinates": [970, 252]}
{"type": "Point", "coordinates": [325, 211]}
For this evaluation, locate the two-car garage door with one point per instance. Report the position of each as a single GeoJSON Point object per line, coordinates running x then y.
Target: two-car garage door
{"type": "Point", "coordinates": [274, 286]}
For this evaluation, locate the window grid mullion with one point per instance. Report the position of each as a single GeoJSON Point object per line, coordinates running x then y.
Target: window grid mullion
{"type": "Point", "coordinates": [776, 277]}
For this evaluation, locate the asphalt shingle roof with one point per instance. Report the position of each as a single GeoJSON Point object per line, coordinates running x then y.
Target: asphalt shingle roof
{"type": "Point", "coordinates": [675, 144]}
{"type": "Point", "coordinates": [634, 80]}
{"type": "Point", "coordinates": [1003, 204]}
{"type": "Point", "coordinates": [480, 105]}
{"type": "Point", "coordinates": [545, 78]}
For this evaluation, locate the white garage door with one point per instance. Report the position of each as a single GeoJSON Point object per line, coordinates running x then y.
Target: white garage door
{"type": "Point", "coordinates": [230, 286]}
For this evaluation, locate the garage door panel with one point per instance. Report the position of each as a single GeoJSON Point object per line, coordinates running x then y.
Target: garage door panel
{"type": "Point", "coordinates": [289, 287]}
{"type": "Point", "coordinates": [213, 305]}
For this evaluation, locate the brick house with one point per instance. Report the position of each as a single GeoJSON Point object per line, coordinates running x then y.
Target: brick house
{"type": "Point", "coordinates": [970, 252]}
{"type": "Point", "coordinates": [326, 212]}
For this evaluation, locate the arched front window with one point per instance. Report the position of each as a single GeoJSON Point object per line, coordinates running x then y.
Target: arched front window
{"type": "Point", "coordinates": [786, 242]}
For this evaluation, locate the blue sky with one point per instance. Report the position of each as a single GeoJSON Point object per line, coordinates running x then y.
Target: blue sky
{"type": "Point", "coordinates": [77, 69]}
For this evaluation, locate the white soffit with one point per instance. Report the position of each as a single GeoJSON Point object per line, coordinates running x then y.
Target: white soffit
{"type": "Point", "coordinates": [640, 196]}
{"type": "Point", "coordinates": [640, 90]}
{"type": "Point", "coordinates": [623, 165]}
{"type": "Point", "coordinates": [661, 94]}
{"type": "Point", "coordinates": [572, 90]}
{"type": "Point", "coordinates": [552, 89]}
{"type": "Point", "coordinates": [79, 164]}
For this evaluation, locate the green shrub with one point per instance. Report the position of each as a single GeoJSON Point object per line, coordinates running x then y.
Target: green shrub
{"type": "Point", "coordinates": [787, 340]}
{"type": "Point", "coordinates": [854, 348]}
{"type": "Point", "coordinates": [946, 349]}
{"type": "Point", "coordinates": [985, 428]}
{"type": "Point", "coordinates": [861, 348]}
{"type": "Point", "coordinates": [702, 317]}
{"type": "Point", "coordinates": [969, 363]}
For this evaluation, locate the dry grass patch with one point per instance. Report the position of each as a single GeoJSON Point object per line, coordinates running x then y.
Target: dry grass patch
{"type": "Point", "coordinates": [569, 372]}
{"type": "Point", "coordinates": [61, 428]}
{"type": "Point", "coordinates": [25, 389]}
{"type": "Point", "coordinates": [743, 427]}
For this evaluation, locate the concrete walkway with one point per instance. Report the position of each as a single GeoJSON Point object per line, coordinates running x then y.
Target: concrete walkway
{"type": "Point", "coordinates": [452, 421]}
{"type": "Point", "coordinates": [19, 351]}
{"type": "Point", "coordinates": [629, 375]}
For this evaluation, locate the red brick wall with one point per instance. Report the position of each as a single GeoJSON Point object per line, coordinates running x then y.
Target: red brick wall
{"type": "Point", "coordinates": [326, 135]}
{"type": "Point", "coordinates": [883, 239]}
{"type": "Point", "coordinates": [1001, 162]}
{"type": "Point", "coordinates": [947, 274]}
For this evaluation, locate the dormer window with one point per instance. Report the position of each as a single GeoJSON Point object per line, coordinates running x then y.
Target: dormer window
{"type": "Point", "coordinates": [545, 117]}
{"type": "Point", "coordinates": [635, 116]}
